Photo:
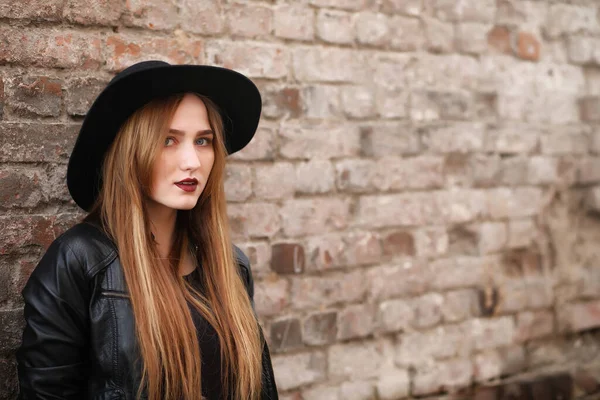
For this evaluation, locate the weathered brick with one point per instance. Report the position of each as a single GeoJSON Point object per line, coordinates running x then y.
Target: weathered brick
{"type": "Point", "coordinates": [462, 205]}
{"type": "Point", "coordinates": [579, 316]}
{"type": "Point", "coordinates": [396, 315]}
{"type": "Point", "coordinates": [80, 93]}
{"type": "Point", "coordinates": [8, 272]}
{"type": "Point", "coordinates": [459, 305]}
{"type": "Point", "coordinates": [565, 141]}
{"type": "Point", "coordinates": [400, 243]}
{"type": "Point", "coordinates": [34, 96]}
{"type": "Point", "coordinates": [533, 325]}
{"type": "Point", "coordinates": [487, 365]}
{"type": "Point", "coordinates": [96, 12]}
{"type": "Point", "coordinates": [49, 48]}
{"type": "Point", "coordinates": [355, 175]}
{"type": "Point", "coordinates": [462, 240]}
{"type": "Point", "coordinates": [392, 104]}
{"type": "Point", "coordinates": [254, 219]}
{"type": "Point", "coordinates": [124, 50]}
{"type": "Point", "coordinates": [151, 14]}
{"type": "Point", "coordinates": [372, 29]}
{"type": "Point", "coordinates": [544, 352]}
{"type": "Point", "coordinates": [323, 291]}
{"type": "Point", "coordinates": [292, 371]}
{"type": "Point", "coordinates": [392, 173]}
{"type": "Point", "coordinates": [472, 37]}
{"type": "Point", "coordinates": [21, 186]}
{"type": "Point", "coordinates": [499, 39]}
{"type": "Point", "coordinates": [521, 233]}
{"type": "Point", "coordinates": [286, 334]}
{"type": "Point", "coordinates": [457, 272]}
{"type": "Point", "coordinates": [568, 19]}
{"type": "Point", "coordinates": [410, 277]}
{"type": "Point", "coordinates": [583, 50]}
{"type": "Point", "coordinates": [433, 105]}
{"type": "Point", "coordinates": [314, 216]}
{"type": "Point", "coordinates": [355, 321]}
{"type": "Point", "coordinates": [448, 375]}
{"type": "Point", "coordinates": [485, 169]}
{"type": "Point", "coordinates": [238, 182]}
{"type": "Point", "coordinates": [259, 254]}
{"type": "Point", "coordinates": [468, 11]}
{"type": "Point", "coordinates": [408, 7]}
{"type": "Point", "coordinates": [342, 4]}
{"type": "Point", "coordinates": [260, 60]}
{"type": "Point", "coordinates": [12, 326]}
{"type": "Point", "coordinates": [389, 139]}
{"type": "Point", "coordinates": [439, 36]}
{"type": "Point", "coordinates": [414, 349]}
{"type": "Point", "coordinates": [493, 237]}
{"type": "Point", "coordinates": [49, 10]}
{"type": "Point", "coordinates": [514, 203]}
{"type": "Point", "coordinates": [315, 176]}
{"type": "Point", "coordinates": [542, 170]}
{"type": "Point", "coordinates": [358, 102]}
{"type": "Point", "coordinates": [427, 310]}
{"type": "Point", "coordinates": [362, 248]}
{"type": "Point", "coordinates": [358, 360]}
{"type": "Point", "coordinates": [295, 22]}
{"type": "Point", "coordinates": [287, 258]}
{"type": "Point", "coordinates": [398, 210]}
{"type": "Point", "coordinates": [356, 391]}
{"type": "Point", "coordinates": [528, 47]}
{"type": "Point", "coordinates": [393, 71]}
{"type": "Point", "coordinates": [271, 296]}
{"type": "Point", "coordinates": [325, 252]}
{"type": "Point", "coordinates": [393, 384]}
{"type": "Point", "coordinates": [512, 139]}
{"type": "Point", "coordinates": [321, 393]}
{"type": "Point", "coordinates": [456, 137]}
{"type": "Point", "coordinates": [406, 34]}
{"type": "Point", "coordinates": [491, 333]}
{"type": "Point", "coordinates": [306, 141]}
{"type": "Point", "coordinates": [249, 20]}
{"type": "Point", "coordinates": [320, 328]}
{"type": "Point", "coordinates": [261, 147]}
{"type": "Point", "coordinates": [588, 171]}
{"type": "Point", "coordinates": [202, 16]}
{"type": "Point", "coordinates": [274, 181]}
{"type": "Point", "coordinates": [23, 231]}
{"type": "Point", "coordinates": [312, 64]}
{"type": "Point", "coordinates": [589, 109]}
{"type": "Point", "coordinates": [322, 102]}
{"type": "Point", "coordinates": [513, 170]}
{"type": "Point", "coordinates": [335, 26]}
{"type": "Point", "coordinates": [429, 242]}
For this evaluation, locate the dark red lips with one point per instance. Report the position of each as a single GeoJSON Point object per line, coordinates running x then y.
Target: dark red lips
{"type": "Point", "coordinates": [188, 184]}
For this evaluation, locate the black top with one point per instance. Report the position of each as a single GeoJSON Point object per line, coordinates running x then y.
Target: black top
{"type": "Point", "coordinates": [210, 348]}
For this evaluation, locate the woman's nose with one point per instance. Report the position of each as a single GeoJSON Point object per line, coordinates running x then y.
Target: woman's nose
{"type": "Point", "coordinates": [189, 158]}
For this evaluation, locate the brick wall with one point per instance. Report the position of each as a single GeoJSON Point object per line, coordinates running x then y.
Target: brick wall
{"type": "Point", "coordinates": [419, 203]}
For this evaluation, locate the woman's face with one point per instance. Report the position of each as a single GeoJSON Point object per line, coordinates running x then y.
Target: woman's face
{"type": "Point", "coordinates": [184, 162]}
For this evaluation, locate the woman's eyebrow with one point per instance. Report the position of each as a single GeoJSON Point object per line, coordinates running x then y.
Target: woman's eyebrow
{"type": "Point", "coordinates": [199, 133]}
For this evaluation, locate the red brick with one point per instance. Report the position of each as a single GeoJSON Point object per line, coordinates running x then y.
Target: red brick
{"type": "Point", "coordinates": [399, 243]}
{"type": "Point", "coordinates": [362, 248]}
{"type": "Point", "coordinates": [93, 12]}
{"type": "Point", "coordinates": [21, 142]}
{"type": "Point", "coordinates": [202, 16]}
{"type": "Point", "coordinates": [124, 50]}
{"type": "Point", "coordinates": [264, 60]}
{"type": "Point", "coordinates": [287, 258]}
{"type": "Point", "coordinates": [21, 186]}
{"type": "Point", "coordinates": [49, 10]}
{"type": "Point", "coordinates": [528, 47]}
{"type": "Point", "coordinates": [152, 14]}
{"type": "Point", "coordinates": [499, 39]}
{"type": "Point", "coordinates": [325, 252]}
{"type": "Point", "coordinates": [580, 316]}
{"type": "Point", "coordinates": [34, 96]}
{"type": "Point", "coordinates": [281, 101]}
{"type": "Point", "coordinates": [50, 48]}
{"type": "Point", "coordinates": [81, 92]}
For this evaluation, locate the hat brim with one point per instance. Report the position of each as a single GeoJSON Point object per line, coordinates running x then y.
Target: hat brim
{"type": "Point", "coordinates": [236, 96]}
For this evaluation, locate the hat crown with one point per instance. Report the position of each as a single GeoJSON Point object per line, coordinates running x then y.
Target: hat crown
{"type": "Point", "coordinates": [141, 66]}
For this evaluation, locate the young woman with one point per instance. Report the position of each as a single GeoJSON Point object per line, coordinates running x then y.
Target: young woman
{"type": "Point", "coordinates": [147, 297]}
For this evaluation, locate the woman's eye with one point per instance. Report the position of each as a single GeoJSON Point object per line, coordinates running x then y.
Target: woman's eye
{"type": "Point", "coordinates": [202, 141]}
{"type": "Point", "coordinates": [169, 141]}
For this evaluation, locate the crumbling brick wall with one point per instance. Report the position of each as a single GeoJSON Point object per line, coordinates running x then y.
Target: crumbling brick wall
{"type": "Point", "coordinates": [418, 203]}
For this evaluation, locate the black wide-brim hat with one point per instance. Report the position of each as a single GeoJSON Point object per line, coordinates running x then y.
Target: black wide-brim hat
{"type": "Point", "coordinates": [236, 96]}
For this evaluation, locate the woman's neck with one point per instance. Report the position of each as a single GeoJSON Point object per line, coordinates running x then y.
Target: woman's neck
{"type": "Point", "coordinates": [162, 222]}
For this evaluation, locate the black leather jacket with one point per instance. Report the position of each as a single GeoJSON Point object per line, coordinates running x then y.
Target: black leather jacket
{"type": "Point", "coordinates": [79, 340]}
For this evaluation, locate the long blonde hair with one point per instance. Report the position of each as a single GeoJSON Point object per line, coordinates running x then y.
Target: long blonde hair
{"type": "Point", "coordinates": [159, 295]}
